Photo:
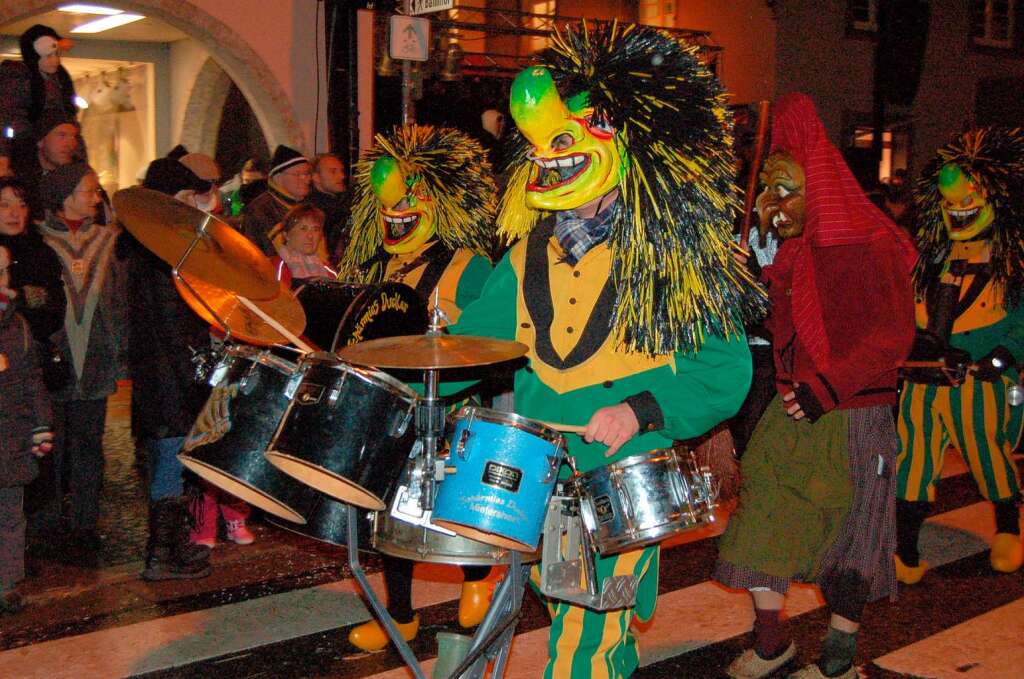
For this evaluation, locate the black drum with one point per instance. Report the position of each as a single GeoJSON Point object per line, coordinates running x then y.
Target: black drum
{"type": "Point", "coordinates": [347, 432]}
{"type": "Point", "coordinates": [326, 518]}
{"type": "Point", "coordinates": [226, 444]}
{"type": "Point", "coordinates": [339, 314]}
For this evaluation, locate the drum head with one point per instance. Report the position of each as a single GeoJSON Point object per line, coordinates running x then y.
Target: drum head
{"type": "Point", "coordinates": [339, 314]}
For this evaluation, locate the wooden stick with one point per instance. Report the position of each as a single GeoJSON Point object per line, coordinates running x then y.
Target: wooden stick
{"type": "Point", "coordinates": [272, 322]}
{"type": "Point", "coordinates": [923, 364]}
{"type": "Point", "coordinates": [558, 426]}
{"type": "Point", "coordinates": [755, 168]}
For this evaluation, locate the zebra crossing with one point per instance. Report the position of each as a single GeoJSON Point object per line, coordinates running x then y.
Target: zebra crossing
{"type": "Point", "coordinates": [963, 620]}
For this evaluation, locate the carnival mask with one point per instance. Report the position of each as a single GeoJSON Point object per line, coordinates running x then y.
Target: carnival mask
{"type": "Point", "coordinates": [575, 156]}
{"type": "Point", "coordinates": [782, 205]}
{"type": "Point", "coordinates": [966, 210]}
{"type": "Point", "coordinates": [407, 212]}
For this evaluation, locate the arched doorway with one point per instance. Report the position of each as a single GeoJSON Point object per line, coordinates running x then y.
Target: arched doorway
{"type": "Point", "coordinates": [231, 54]}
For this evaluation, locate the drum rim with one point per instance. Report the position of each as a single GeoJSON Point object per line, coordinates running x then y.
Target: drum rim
{"type": "Point", "coordinates": [261, 356]}
{"type": "Point", "coordinates": [513, 419]}
{"type": "Point", "coordinates": [638, 458]}
{"type": "Point", "coordinates": [365, 373]}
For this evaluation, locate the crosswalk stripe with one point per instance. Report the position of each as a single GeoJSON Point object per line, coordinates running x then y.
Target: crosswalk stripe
{"type": "Point", "coordinates": [988, 645]}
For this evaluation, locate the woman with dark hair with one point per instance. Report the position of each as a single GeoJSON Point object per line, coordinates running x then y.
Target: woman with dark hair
{"type": "Point", "coordinates": [36, 271]}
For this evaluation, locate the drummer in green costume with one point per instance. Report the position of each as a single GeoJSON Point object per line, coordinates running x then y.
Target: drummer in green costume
{"type": "Point", "coordinates": [423, 215]}
{"type": "Point", "coordinates": [623, 284]}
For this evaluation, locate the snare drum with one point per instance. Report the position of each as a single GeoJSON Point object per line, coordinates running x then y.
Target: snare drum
{"type": "Point", "coordinates": [226, 443]}
{"type": "Point", "coordinates": [339, 314]}
{"type": "Point", "coordinates": [644, 499]}
{"type": "Point", "coordinates": [405, 530]}
{"type": "Point", "coordinates": [505, 467]}
{"type": "Point", "coordinates": [347, 431]}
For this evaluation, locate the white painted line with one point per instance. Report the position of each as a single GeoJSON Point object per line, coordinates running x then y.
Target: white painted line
{"type": "Point", "coordinates": [988, 646]}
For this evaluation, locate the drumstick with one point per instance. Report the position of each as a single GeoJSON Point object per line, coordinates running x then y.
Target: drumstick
{"type": "Point", "coordinates": [558, 426]}
{"type": "Point", "coordinates": [923, 364]}
{"type": "Point", "coordinates": [755, 167]}
{"type": "Point", "coordinates": [291, 337]}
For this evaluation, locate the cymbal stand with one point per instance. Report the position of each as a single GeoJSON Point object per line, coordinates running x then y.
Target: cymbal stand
{"type": "Point", "coordinates": [176, 273]}
{"type": "Point", "coordinates": [493, 638]}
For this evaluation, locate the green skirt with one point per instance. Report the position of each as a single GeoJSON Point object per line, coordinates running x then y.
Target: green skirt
{"type": "Point", "coordinates": [794, 496]}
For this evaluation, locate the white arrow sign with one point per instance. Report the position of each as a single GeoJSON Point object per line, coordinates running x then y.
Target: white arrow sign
{"type": "Point", "coordinates": [428, 6]}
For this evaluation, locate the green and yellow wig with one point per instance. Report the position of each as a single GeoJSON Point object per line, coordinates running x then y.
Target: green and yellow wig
{"type": "Point", "coordinates": [674, 273]}
{"type": "Point", "coordinates": [454, 171]}
{"type": "Point", "coordinates": [993, 158]}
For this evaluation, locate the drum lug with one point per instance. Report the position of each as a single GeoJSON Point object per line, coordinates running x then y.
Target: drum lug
{"type": "Point", "coordinates": [398, 431]}
{"type": "Point", "coordinates": [249, 380]}
{"type": "Point", "coordinates": [219, 374]}
{"type": "Point", "coordinates": [629, 513]}
{"type": "Point", "coordinates": [554, 462]}
{"type": "Point", "coordinates": [293, 383]}
{"type": "Point", "coordinates": [460, 449]}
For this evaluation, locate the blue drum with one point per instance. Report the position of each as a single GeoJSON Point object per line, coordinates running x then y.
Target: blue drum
{"type": "Point", "coordinates": [503, 469]}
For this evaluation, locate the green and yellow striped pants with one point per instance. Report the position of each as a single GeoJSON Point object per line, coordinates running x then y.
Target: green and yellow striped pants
{"type": "Point", "coordinates": [976, 419]}
{"type": "Point", "coordinates": [586, 644]}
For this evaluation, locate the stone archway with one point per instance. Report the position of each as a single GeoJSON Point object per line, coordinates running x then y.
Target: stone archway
{"type": "Point", "coordinates": [204, 109]}
{"type": "Point", "coordinates": [238, 61]}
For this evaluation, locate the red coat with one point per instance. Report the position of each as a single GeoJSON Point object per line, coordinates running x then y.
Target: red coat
{"type": "Point", "coordinates": [868, 315]}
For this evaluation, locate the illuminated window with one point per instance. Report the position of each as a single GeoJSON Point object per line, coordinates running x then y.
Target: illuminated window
{"type": "Point", "coordinates": [863, 15]}
{"type": "Point", "coordinates": [993, 22]}
{"type": "Point", "coordinates": [545, 8]}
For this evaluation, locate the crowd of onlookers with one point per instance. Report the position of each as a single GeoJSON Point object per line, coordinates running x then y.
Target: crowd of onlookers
{"type": "Point", "coordinates": [84, 305]}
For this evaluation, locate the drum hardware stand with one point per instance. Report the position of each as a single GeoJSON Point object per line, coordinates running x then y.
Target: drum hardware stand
{"type": "Point", "coordinates": [176, 273]}
{"type": "Point", "coordinates": [568, 554]}
{"type": "Point", "coordinates": [493, 638]}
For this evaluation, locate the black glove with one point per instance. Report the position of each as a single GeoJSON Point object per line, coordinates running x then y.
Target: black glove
{"type": "Point", "coordinates": [994, 364]}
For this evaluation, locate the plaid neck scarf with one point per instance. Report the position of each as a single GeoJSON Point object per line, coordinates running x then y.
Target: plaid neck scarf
{"type": "Point", "coordinates": [578, 235]}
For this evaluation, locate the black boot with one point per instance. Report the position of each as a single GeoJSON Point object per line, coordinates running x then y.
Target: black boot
{"type": "Point", "coordinates": [169, 554]}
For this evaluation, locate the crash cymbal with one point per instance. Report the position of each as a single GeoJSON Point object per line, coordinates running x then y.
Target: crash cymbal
{"type": "Point", "coordinates": [224, 258]}
{"type": "Point", "coordinates": [244, 323]}
{"type": "Point", "coordinates": [423, 352]}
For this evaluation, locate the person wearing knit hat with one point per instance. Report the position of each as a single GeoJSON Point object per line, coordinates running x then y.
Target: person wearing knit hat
{"type": "Point", "coordinates": [287, 185]}
{"type": "Point", "coordinates": [162, 333]}
{"type": "Point", "coordinates": [817, 499]}
{"type": "Point", "coordinates": [94, 282]}
{"type": "Point", "coordinates": [36, 84]}
{"type": "Point", "coordinates": [58, 142]}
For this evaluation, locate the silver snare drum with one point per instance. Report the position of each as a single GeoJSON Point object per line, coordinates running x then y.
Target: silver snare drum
{"type": "Point", "coordinates": [644, 499]}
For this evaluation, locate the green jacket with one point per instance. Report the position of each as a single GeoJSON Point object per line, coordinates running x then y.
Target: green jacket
{"type": "Point", "coordinates": [574, 366]}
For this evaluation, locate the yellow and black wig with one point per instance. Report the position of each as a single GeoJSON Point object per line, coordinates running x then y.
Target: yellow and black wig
{"type": "Point", "coordinates": [674, 272]}
{"type": "Point", "coordinates": [994, 158]}
{"type": "Point", "coordinates": [458, 178]}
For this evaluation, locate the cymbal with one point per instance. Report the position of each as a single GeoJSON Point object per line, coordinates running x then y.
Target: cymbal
{"type": "Point", "coordinates": [424, 352]}
{"type": "Point", "coordinates": [223, 258]}
{"type": "Point", "coordinates": [245, 324]}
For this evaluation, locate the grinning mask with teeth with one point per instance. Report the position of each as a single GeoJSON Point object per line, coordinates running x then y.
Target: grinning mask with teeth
{"type": "Point", "coordinates": [406, 207]}
{"type": "Point", "coordinates": [782, 204]}
{"type": "Point", "coordinates": [575, 156]}
{"type": "Point", "coordinates": [966, 210]}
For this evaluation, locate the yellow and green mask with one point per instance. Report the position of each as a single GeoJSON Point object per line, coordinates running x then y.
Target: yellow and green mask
{"type": "Point", "coordinates": [966, 210]}
{"type": "Point", "coordinates": [418, 183]}
{"type": "Point", "coordinates": [635, 109]}
{"type": "Point", "coordinates": [576, 159]}
{"type": "Point", "coordinates": [974, 189]}
{"type": "Point", "coordinates": [406, 207]}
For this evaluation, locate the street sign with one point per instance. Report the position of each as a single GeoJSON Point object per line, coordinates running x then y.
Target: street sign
{"type": "Point", "coordinates": [410, 38]}
{"type": "Point", "coordinates": [428, 6]}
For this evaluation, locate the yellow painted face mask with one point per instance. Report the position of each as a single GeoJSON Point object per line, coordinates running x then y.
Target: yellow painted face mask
{"type": "Point", "coordinates": [575, 158]}
{"type": "Point", "coordinates": [966, 210]}
{"type": "Point", "coordinates": [407, 211]}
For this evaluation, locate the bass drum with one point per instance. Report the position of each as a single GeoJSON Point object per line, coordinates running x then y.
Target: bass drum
{"type": "Point", "coordinates": [405, 531]}
{"type": "Point", "coordinates": [340, 314]}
